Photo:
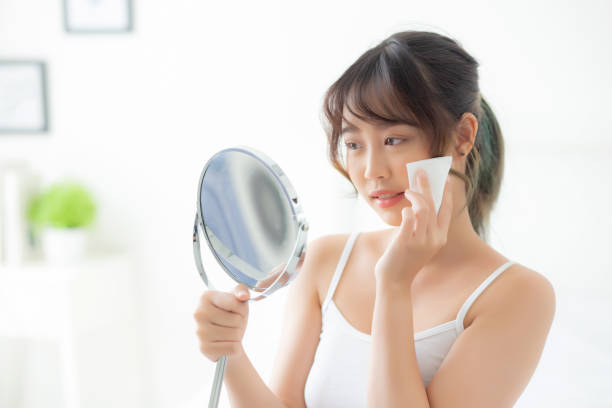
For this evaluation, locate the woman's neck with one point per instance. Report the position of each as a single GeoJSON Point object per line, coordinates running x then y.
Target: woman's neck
{"type": "Point", "coordinates": [462, 242]}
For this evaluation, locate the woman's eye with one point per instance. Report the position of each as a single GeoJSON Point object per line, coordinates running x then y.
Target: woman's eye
{"type": "Point", "coordinates": [393, 140]}
{"type": "Point", "coordinates": [351, 145]}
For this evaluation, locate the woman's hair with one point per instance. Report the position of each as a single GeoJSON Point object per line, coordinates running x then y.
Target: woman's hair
{"type": "Point", "coordinates": [427, 78]}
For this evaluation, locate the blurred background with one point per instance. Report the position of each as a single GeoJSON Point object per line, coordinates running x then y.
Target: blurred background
{"type": "Point", "coordinates": [138, 95]}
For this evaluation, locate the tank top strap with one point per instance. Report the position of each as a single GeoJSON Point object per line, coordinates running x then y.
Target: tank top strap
{"type": "Point", "coordinates": [339, 269]}
{"type": "Point", "coordinates": [470, 300]}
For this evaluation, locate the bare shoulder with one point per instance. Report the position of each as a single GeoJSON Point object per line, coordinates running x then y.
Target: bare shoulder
{"type": "Point", "coordinates": [324, 250]}
{"type": "Point", "coordinates": [532, 281]}
{"type": "Point", "coordinates": [322, 254]}
{"type": "Point", "coordinates": [526, 290]}
{"type": "Point", "coordinates": [533, 289]}
{"type": "Point", "coordinates": [492, 361]}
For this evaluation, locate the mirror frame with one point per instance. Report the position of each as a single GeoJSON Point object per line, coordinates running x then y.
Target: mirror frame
{"type": "Point", "coordinates": [297, 256]}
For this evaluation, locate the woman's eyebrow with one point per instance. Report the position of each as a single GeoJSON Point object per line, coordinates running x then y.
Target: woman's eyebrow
{"type": "Point", "coordinates": [348, 127]}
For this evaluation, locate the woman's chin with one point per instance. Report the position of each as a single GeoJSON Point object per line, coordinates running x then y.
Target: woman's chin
{"type": "Point", "coordinates": [391, 217]}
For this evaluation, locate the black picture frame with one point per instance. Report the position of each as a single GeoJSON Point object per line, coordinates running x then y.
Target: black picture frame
{"type": "Point", "coordinates": [23, 96]}
{"type": "Point", "coordinates": [98, 17]}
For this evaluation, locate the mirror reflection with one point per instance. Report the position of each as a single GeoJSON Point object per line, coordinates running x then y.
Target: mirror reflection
{"type": "Point", "coordinates": [249, 220]}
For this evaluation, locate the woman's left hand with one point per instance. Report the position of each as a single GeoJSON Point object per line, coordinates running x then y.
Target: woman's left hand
{"type": "Point", "coordinates": [419, 237]}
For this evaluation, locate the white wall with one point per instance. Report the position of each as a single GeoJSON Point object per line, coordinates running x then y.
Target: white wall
{"type": "Point", "coordinates": [136, 116]}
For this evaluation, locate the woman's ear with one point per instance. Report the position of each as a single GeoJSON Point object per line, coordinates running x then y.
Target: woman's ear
{"type": "Point", "coordinates": [465, 133]}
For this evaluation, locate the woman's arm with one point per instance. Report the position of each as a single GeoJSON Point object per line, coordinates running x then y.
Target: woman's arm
{"type": "Point", "coordinates": [302, 322]}
{"type": "Point", "coordinates": [395, 379]}
{"type": "Point", "coordinates": [492, 361]}
{"type": "Point", "coordinates": [300, 337]}
{"type": "Point", "coordinates": [245, 386]}
{"type": "Point", "coordinates": [222, 318]}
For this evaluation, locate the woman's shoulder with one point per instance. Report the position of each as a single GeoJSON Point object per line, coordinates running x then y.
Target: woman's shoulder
{"type": "Point", "coordinates": [519, 278]}
{"type": "Point", "coordinates": [325, 250]}
{"type": "Point", "coordinates": [519, 286]}
{"type": "Point", "coordinates": [528, 286]}
{"type": "Point", "coordinates": [329, 241]}
{"type": "Point", "coordinates": [322, 255]}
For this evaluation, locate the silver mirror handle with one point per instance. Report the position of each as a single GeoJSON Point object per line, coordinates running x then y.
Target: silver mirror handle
{"type": "Point", "coordinates": [222, 362]}
{"type": "Point", "coordinates": [217, 382]}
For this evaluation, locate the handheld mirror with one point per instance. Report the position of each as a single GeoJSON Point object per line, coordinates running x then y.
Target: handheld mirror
{"type": "Point", "coordinates": [250, 217]}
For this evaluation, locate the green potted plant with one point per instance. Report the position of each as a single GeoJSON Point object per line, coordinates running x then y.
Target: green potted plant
{"type": "Point", "coordinates": [60, 215]}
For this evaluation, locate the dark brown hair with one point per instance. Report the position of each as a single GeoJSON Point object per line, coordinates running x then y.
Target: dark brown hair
{"type": "Point", "coordinates": [427, 78]}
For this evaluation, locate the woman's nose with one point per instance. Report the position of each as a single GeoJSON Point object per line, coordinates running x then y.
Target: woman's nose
{"type": "Point", "coordinates": [376, 167]}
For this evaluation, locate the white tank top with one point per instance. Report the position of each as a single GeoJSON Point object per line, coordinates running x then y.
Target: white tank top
{"type": "Point", "coordinates": [338, 376]}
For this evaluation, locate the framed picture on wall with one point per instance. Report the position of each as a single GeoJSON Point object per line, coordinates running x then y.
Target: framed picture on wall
{"type": "Point", "coordinates": [98, 16]}
{"type": "Point", "coordinates": [23, 97]}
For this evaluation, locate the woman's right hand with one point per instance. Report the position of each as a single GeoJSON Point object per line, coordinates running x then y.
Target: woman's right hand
{"type": "Point", "coordinates": [221, 319]}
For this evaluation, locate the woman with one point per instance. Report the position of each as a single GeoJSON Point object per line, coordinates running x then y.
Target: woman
{"type": "Point", "coordinates": [422, 314]}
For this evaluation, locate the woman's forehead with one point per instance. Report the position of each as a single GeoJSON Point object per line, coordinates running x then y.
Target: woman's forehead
{"type": "Point", "coordinates": [377, 104]}
{"type": "Point", "coordinates": [352, 121]}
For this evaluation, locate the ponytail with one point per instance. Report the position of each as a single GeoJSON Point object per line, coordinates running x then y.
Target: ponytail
{"type": "Point", "coordinates": [484, 169]}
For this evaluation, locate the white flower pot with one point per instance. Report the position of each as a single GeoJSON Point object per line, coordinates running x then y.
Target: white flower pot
{"type": "Point", "coordinates": [64, 245]}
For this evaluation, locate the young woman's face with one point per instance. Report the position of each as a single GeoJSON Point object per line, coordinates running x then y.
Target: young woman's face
{"type": "Point", "coordinates": [376, 157]}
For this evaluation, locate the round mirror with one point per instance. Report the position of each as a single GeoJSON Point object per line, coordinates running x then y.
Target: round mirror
{"type": "Point", "coordinates": [250, 217]}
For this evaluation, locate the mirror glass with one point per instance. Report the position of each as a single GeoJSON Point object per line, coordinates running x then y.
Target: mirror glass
{"type": "Point", "coordinates": [250, 217]}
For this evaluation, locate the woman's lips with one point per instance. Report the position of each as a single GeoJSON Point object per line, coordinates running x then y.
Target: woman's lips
{"type": "Point", "coordinates": [388, 202]}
